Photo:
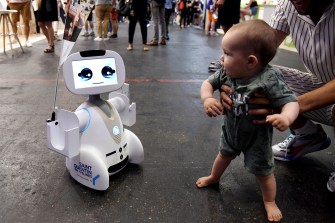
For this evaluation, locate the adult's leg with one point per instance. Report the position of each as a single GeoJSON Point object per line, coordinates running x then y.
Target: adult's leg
{"type": "Point", "coordinates": [306, 136]}
{"type": "Point", "coordinates": [44, 29]}
{"type": "Point", "coordinates": [155, 19]}
{"type": "Point", "coordinates": [168, 13]}
{"type": "Point", "coordinates": [162, 20]}
{"type": "Point", "coordinates": [144, 31]}
{"type": "Point", "coordinates": [106, 13]}
{"type": "Point", "coordinates": [99, 18]}
{"type": "Point", "coordinates": [26, 16]}
{"type": "Point", "coordinates": [115, 24]}
{"type": "Point", "coordinates": [208, 22]}
{"type": "Point", "coordinates": [51, 33]}
{"type": "Point", "coordinates": [131, 28]}
{"type": "Point", "coordinates": [301, 83]}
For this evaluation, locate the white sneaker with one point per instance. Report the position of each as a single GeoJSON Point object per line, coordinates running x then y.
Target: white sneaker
{"type": "Point", "coordinates": [98, 39]}
{"type": "Point", "coordinates": [295, 146]}
{"type": "Point", "coordinates": [28, 44]}
{"type": "Point", "coordinates": [109, 34]}
{"type": "Point", "coordinates": [85, 34]}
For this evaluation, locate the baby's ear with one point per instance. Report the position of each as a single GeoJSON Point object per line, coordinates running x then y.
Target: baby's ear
{"type": "Point", "coordinates": [252, 61]}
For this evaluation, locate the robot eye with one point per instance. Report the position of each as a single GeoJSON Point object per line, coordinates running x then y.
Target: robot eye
{"type": "Point", "coordinates": [107, 72]}
{"type": "Point", "coordinates": [86, 74]}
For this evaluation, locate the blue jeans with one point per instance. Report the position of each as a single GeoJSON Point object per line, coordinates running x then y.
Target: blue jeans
{"type": "Point", "coordinates": [158, 17]}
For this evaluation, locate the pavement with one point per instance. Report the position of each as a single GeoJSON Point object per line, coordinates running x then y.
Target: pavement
{"type": "Point", "coordinates": [180, 144]}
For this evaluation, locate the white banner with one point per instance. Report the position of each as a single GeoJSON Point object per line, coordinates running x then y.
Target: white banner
{"type": "Point", "coordinates": [77, 14]}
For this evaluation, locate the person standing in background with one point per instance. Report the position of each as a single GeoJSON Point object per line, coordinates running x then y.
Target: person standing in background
{"type": "Point", "coordinates": [114, 21]}
{"type": "Point", "coordinates": [158, 17]}
{"type": "Point", "coordinates": [23, 8]}
{"type": "Point", "coordinates": [46, 14]}
{"type": "Point", "coordinates": [138, 12]}
{"type": "Point", "coordinates": [103, 8]}
{"type": "Point", "coordinates": [168, 13]}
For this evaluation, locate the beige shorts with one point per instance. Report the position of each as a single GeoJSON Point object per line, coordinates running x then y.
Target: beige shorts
{"type": "Point", "coordinates": [23, 9]}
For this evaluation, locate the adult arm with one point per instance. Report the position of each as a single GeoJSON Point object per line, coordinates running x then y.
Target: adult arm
{"type": "Point", "coordinates": [317, 98]}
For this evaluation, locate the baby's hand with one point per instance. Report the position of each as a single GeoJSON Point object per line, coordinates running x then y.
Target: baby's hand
{"type": "Point", "coordinates": [280, 122]}
{"type": "Point", "coordinates": [213, 107]}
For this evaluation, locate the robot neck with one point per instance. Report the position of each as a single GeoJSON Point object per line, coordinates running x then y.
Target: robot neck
{"type": "Point", "coordinates": [94, 98]}
{"type": "Point", "coordinates": [100, 103]}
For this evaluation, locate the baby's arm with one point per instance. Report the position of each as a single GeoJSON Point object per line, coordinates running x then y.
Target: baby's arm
{"type": "Point", "coordinates": [282, 121]}
{"type": "Point", "coordinates": [212, 106]}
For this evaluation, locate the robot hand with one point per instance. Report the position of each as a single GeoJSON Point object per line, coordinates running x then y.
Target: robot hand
{"type": "Point", "coordinates": [63, 133]}
{"type": "Point", "coordinates": [120, 101]}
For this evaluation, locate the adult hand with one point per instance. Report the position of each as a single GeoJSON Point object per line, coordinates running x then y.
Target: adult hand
{"type": "Point", "coordinates": [260, 100]}
{"type": "Point", "coordinates": [224, 97]}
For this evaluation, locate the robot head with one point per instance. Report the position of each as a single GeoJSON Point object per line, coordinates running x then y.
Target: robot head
{"type": "Point", "coordinates": [94, 72]}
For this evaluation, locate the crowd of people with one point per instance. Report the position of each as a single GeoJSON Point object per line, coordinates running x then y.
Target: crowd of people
{"type": "Point", "coordinates": [311, 26]}
{"type": "Point", "coordinates": [107, 15]}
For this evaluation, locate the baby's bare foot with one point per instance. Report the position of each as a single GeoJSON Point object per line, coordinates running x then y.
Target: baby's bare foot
{"type": "Point", "coordinates": [273, 212]}
{"type": "Point", "coordinates": [205, 181]}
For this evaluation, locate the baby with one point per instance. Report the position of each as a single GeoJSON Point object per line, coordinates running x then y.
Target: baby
{"type": "Point", "coordinates": [248, 47]}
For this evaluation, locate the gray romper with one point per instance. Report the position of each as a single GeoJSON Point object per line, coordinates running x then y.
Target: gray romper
{"type": "Point", "coordinates": [238, 133]}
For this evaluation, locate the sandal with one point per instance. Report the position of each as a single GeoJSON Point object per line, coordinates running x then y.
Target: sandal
{"type": "Point", "coordinates": [145, 48]}
{"type": "Point", "coordinates": [130, 47]}
{"type": "Point", "coordinates": [48, 50]}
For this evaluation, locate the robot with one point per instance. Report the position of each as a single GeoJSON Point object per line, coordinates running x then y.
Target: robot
{"type": "Point", "coordinates": [93, 138]}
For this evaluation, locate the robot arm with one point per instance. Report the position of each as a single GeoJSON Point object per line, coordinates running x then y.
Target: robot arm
{"type": "Point", "coordinates": [120, 101]}
{"type": "Point", "coordinates": [63, 133]}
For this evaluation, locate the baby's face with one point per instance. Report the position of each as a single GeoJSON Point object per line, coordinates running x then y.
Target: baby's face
{"type": "Point", "coordinates": [235, 60]}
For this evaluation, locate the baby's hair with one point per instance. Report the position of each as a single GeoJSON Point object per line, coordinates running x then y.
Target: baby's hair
{"type": "Point", "coordinates": [259, 38]}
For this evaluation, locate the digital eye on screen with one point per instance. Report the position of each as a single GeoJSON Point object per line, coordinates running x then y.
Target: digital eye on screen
{"type": "Point", "coordinates": [107, 72]}
{"type": "Point", "coordinates": [86, 74]}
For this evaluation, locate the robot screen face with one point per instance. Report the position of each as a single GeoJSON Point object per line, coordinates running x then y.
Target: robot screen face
{"type": "Point", "coordinates": [94, 73]}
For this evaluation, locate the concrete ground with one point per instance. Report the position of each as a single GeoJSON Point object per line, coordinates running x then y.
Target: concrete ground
{"type": "Point", "coordinates": [180, 143]}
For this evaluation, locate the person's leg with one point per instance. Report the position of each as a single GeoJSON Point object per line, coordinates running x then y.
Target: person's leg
{"type": "Point", "coordinates": [15, 16]}
{"type": "Point", "coordinates": [306, 136]}
{"type": "Point", "coordinates": [219, 166]}
{"type": "Point", "coordinates": [268, 188]}
{"type": "Point", "coordinates": [99, 19]}
{"type": "Point", "coordinates": [115, 24]}
{"type": "Point", "coordinates": [26, 16]}
{"type": "Point", "coordinates": [107, 11]}
{"type": "Point", "coordinates": [91, 24]}
{"type": "Point", "coordinates": [167, 22]}
{"type": "Point", "coordinates": [155, 19]}
{"type": "Point", "coordinates": [62, 15]}
{"type": "Point", "coordinates": [36, 23]}
{"type": "Point", "coordinates": [208, 22]}
{"type": "Point", "coordinates": [51, 34]}
{"type": "Point", "coordinates": [144, 32]}
{"type": "Point", "coordinates": [86, 29]}
{"type": "Point", "coordinates": [162, 23]}
{"type": "Point", "coordinates": [131, 31]}
{"type": "Point", "coordinates": [44, 29]}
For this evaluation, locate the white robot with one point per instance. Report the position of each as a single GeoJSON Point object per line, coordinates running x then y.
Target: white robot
{"type": "Point", "coordinates": [92, 138]}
